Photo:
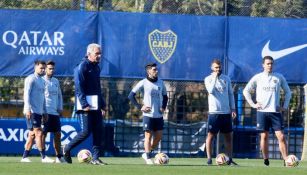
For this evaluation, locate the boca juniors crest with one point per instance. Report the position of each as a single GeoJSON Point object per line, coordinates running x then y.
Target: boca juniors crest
{"type": "Point", "coordinates": [162, 44]}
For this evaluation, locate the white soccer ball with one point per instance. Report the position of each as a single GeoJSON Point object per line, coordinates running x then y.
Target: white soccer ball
{"type": "Point", "coordinates": [84, 156]}
{"type": "Point", "coordinates": [292, 161]}
{"type": "Point", "coordinates": [222, 159]}
{"type": "Point", "coordinates": [161, 159]}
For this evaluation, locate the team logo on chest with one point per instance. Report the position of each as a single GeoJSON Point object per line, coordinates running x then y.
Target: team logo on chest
{"type": "Point", "coordinates": [162, 44]}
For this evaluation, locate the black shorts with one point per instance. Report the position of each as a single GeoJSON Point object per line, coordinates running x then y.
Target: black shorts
{"type": "Point", "coordinates": [152, 124]}
{"type": "Point", "coordinates": [219, 123]}
{"type": "Point", "coordinates": [267, 120]}
{"type": "Point", "coordinates": [35, 121]}
{"type": "Point", "coordinates": [53, 124]}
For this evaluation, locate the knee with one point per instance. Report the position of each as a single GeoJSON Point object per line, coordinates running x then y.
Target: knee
{"type": "Point", "coordinates": [84, 134]}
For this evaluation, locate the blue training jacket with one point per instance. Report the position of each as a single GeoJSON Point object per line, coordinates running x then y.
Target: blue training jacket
{"type": "Point", "coordinates": [87, 82]}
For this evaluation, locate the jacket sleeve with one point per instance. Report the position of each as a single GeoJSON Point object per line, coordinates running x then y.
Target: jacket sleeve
{"type": "Point", "coordinates": [26, 95]}
{"type": "Point", "coordinates": [251, 85]}
{"type": "Point", "coordinates": [210, 83]}
{"type": "Point", "coordinates": [60, 98]}
{"type": "Point", "coordinates": [287, 92]}
{"type": "Point", "coordinates": [231, 95]}
{"type": "Point", "coordinates": [79, 78]}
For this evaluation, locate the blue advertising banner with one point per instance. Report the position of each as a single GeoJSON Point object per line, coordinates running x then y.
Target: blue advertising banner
{"type": "Point", "coordinates": [250, 39]}
{"type": "Point", "coordinates": [13, 136]}
{"type": "Point", "coordinates": [182, 45]}
{"type": "Point", "coordinates": [28, 35]}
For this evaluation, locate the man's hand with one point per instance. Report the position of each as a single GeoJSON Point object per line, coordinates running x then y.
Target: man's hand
{"type": "Point", "coordinates": [257, 106]}
{"type": "Point", "coordinates": [146, 109]}
{"type": "Point", "coordinates": [280, 109]}
{"type": "Point", "coordinates": [103, 112]}
{"type": "Point", "coordinates": [60, 112]}
{"type": "Point", "coordinates": [233, 114]}
{"type": "Point", "coordinates": [28, 115]}
{"type": "Point", "coordinates": [88, 108]}
{"type": "Point", "coordinates": [162, 110]}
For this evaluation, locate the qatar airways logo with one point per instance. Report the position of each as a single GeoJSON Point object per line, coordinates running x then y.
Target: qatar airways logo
{"type": "Point", "coordinates": [35, 42]}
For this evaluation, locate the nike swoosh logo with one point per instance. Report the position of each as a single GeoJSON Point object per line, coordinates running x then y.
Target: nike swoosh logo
{"type": "Point", "coordinates": [280, 53]}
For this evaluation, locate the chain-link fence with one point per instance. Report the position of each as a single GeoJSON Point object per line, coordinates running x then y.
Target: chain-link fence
{"type": "Point", "coordinates": [259, 8]}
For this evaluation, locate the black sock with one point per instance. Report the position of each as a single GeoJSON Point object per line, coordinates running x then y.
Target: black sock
{"type": "Point", "coordinates": [148, 155]}
{"type": "Point", "coordinates": [59, 156]}
{"type": "Point", "coordinates": [26, 153]}
{"type": "Point", "coordinates": [43, 154]}
{"type": "Point", "coordinates": [266, 162]}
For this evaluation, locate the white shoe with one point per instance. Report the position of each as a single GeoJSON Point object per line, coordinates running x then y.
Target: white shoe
{"type": "Point", "coordinates": [148, 161]}
{"type": "Point", "coordinates": [61, 160]}
{"type": "Point", "coordinates": [25, 160]}
{"type": "Point", "coordinates": [47, 160]}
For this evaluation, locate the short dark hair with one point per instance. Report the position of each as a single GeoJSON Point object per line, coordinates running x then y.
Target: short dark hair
{"type": "Point", "coordinates": [267, 58]}
{"type": "Point", "coordinates": [216, 61]}
{"type": "Point", "coordinates": [150, 65]}
{"type": "Point", "coordinates": [50, 62]}
{"type": "Point", "coordinates": [38, 62]}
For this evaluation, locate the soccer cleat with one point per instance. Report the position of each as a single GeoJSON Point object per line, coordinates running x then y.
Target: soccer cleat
{"type": "Point", "coordinates": [232, 163]}
{"type": "Point", "coordinates": [66, 155]}
{"type": "Point", "coordinates": [47, 160]}
{"type": "Point", "coordinates": [25, 160]}
{"type": "Point", "coordinates": [98, 162]}
{"type": "Point", "coordinates": [266, 162]}
{"type": "Point", "coordinates": [147, 160]}
{"type": "Point", "coordinates": [60, 160]}
{"type": "Point", "coordinates": [209, 162]}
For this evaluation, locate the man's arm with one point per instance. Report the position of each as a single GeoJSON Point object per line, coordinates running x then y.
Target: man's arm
{"type": "Point", "coordinates": [60, 99]}
{"type": "Point", "coordinates": [287, 92]}
{"type": "Point", "coordinates": [210, 83]}
{"type": "Point", "coordinates": [79, 79]}
{"type": "Point", "coordinates": [27, 91]}
{"type": "Point", "coordinates": [251, 85]}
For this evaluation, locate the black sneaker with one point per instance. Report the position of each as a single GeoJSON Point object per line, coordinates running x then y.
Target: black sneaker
{"type": "Point", "coordinates": [98, 162]}
{"type": "Point", "coordinates": [66, 155]}
{"type": "Point", "coordinates": [209, 162]}
{"type": "Point", "coordinates": [266, 162]}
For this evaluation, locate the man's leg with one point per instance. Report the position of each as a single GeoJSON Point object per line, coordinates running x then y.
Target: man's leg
{"type": "Point", "coordinates": [282, 144]}
{"type": "Point", "coordinates": [157, 136]}
{"type": "Point", "coordinates": [228, 143]}
{"type": "Point", "coordinates": [209, 140]}
{"type": "Point", "coordinates": [264, 146]}
{"type": "Point", "coordinates": [97, 124]}
{"type": "Point", "coordinates": [86, 128]}
{"type": "Point", "coordinates": [28, 146]}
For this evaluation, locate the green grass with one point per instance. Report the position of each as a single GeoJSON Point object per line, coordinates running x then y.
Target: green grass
{"type": "Point", "coordinates": [136, 166]}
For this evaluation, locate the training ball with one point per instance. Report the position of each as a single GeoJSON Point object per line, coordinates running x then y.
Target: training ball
{"type": "Point", "coordinates": [222, 159]}
{"type": "Point", "coordinates": [84, 156]}
{"type": "Point", "coordinates": [161, 159]}
{"type": "Point", "coordinates": [291, 161]}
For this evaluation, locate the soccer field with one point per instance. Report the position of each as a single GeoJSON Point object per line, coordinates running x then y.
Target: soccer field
{"type": "Point", "coordinates": [136, 166]}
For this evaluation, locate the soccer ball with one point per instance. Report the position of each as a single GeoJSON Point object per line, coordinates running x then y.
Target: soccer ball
{"type": "Point", "coordinates": [222, 159]}
{"type": "Point", "coordinates": [292, 161]}
{"type": "Point", "coordinates": [161, 159]}
{"type": "Point", "coordinates": [84, 156]}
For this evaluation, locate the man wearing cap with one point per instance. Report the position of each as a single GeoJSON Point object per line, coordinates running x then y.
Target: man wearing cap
{"type": "Point", "coordinates": [154, 104]}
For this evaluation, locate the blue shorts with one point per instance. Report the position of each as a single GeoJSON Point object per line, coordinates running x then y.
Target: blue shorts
{"type": "Point", "coordinates": [53, 124]}
{"type": "Point", "coordinates": [219, 123]}
{"type": "Point", "coordinates": [35, 121]}
{"type": "Point", "coordinates": [152, 124]}
{"type": "Point", "coordinates": [267, 120]}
